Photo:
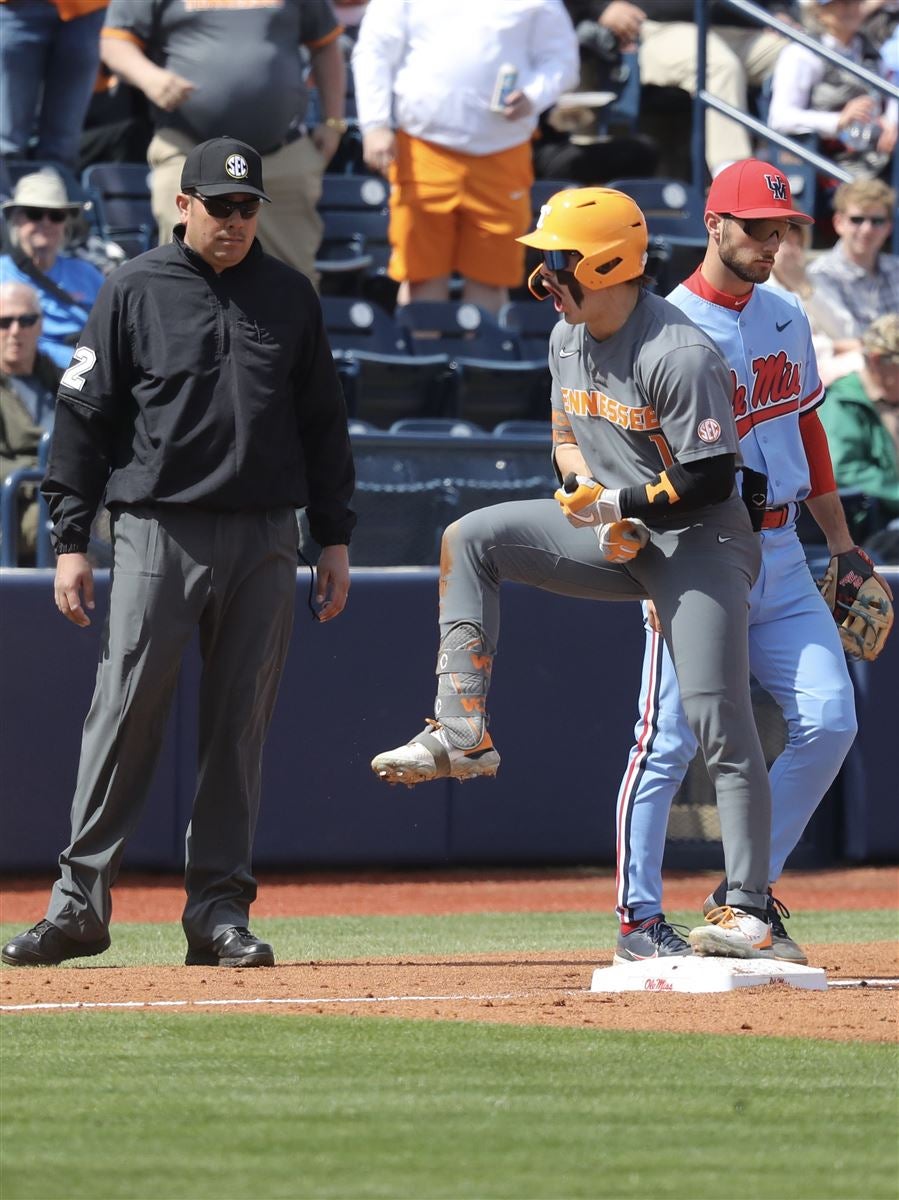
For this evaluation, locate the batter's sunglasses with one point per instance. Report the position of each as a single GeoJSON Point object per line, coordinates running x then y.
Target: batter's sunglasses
{"type": "Point", "coordinates": [558, 260]}
{"type": "Point", "coordinates": [222, 209]}
{"type": "Point", "coordinates": [26, 320]}
{"type": "Point", "coordinates": [56, 215]}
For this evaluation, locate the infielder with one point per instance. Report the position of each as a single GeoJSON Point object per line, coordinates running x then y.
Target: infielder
{"type": "Point", "coordinates": [795, 649]}
{"type": "Point", "coordinates": [641, 402]}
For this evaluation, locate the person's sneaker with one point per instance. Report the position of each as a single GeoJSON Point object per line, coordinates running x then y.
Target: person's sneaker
{"type": "Point", "coordinates": [783, 947]}
{"type": "Point", "coordinates": [236, 947]}
{"type": "Point", "coordinates": [653, 938]}
{"type": "Point", "coordinates": [733, 933]}
{"type": "Point", "coordinates": [45, 945]}
{"type": "Point", "coordinates": [431, 755]}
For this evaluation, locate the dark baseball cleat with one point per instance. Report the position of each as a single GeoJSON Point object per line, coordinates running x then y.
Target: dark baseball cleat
{"type": "Point", "coordinates": [236, 947]}
{"type": "Point", "coordinates": [783, 947]}
{"type": "Point", "coordinates": [653, 938]}
{"type": "Point", "coordinates": [45, 945]}
{"type": "Point", "coordinates": [431, 755]}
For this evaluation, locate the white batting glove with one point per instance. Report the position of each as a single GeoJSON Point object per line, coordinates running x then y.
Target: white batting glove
{"type": "Point", "coordinates": [586, 502]}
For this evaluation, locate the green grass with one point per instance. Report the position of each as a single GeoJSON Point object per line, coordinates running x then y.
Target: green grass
{"type": "Point", "coordinates": [299, 939]}
{"type": "Point", "coordinates": [157, 1106]}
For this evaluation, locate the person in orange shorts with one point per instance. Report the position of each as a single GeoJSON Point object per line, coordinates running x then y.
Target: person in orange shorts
{"type": "Point", "coordinates": [447, 110]}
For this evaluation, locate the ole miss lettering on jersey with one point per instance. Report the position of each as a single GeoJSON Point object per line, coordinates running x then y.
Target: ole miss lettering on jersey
{"type": "Point", "coordinates": [775, 391]}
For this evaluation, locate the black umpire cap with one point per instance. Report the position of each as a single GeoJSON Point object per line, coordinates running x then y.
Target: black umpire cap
{"type": "Point", "coordinates": [223, 165]}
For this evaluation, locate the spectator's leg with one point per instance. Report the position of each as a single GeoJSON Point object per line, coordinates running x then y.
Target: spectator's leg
{"type": "Point", "coordinates": [26, 30]}
{"type": "Point", "coordinates": [166, 154]}
{"type": "Point", "coordinates": [757, 49]}
{"type": "Point", "coordinates": [290, 227]}
{"type": "Point", "coordinates": [69, 79]}
{"type": "Point", "coordinates": [668, 59]}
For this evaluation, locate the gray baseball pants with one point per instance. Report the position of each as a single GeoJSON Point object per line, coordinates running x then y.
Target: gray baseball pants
{"type": "Point", "coordinates": [233, 577]}
{"type": "Point", "coordinates": [699, 576]}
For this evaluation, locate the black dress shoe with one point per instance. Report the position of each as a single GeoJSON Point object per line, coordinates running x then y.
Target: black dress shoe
{"type": "Point", "coordinates": [236, 947]}
{"type": "Point", "coordinates": [45, 945]}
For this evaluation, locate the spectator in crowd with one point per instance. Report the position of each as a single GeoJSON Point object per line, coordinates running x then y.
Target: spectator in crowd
{"type": "Point", "coordinates": [221, 68]}
{"type": "Point", "coordinates": [739, 53]}
{"type": "Point", "coordinates": [880, 21]}
{"type": "Point", "coordinates": [861, 417]}
{"type": "Point", "coordinates": [573, 141]}
{"type": "Point", "coordinates": [38, 215]}
{"type": "Point", "coordinates": [28, 383]}
{"type": "Point", "coordinates": [458, 156]}
{"type": "Point", "coordinates": [856, 279]}
{"type": "Point", "coordinates": [811, 95]}
{"type": "Point", "coordinates": [49, 55]}
{"type": "Point", "coordinates": [790, 275]}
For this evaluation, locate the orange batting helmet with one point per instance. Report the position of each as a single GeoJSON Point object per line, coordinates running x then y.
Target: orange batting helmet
{"type": "Point", "coordinates": [606, 227]}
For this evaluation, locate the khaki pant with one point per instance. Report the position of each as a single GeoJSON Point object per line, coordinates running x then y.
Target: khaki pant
{"type": "Point", "coordinates": [290, 227]}
{"type": "Point", "coordinates": [734, 57]}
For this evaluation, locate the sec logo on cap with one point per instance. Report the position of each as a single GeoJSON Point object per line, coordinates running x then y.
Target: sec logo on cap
{"type": "Point", "coordinates": [236, 166]}
{"type": "Point", "coordinates": [709, 430]}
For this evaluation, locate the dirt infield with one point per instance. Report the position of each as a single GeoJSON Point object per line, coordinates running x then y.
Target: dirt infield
{"type": "Point", "coordinates": [536, 988]}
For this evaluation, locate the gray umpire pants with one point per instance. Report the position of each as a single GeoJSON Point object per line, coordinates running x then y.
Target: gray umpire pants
{"type": "Point", "coordinates": [699, 575]}
{"type": "Point", "coordinates": [233, 577]}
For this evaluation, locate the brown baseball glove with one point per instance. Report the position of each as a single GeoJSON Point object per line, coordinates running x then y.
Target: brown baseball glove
{"type": "Point", "coordinates": [861, 605]}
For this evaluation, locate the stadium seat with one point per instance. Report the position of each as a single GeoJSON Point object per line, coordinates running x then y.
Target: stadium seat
{"type": "Point", "coordinates": [120, 193]}
{"type": "Point", "coordinates": [382, 380]}
{"type": "Point", "coordinates": [539, 430]}
{"type": "Point", "coordinates": [353, 193]}
{"type": "Point", "coordinates": [495, 382]}
{"type": "Point", "coordinates": [532, 321]}
{"type": "Point", "coordinates": [436, 427]}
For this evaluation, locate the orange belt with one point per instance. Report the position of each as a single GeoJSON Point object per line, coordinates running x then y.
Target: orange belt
{"type": "Point", "coordinates": [774, 518]}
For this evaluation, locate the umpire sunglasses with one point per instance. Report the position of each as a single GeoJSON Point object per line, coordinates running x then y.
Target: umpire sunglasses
{"type": "Point", "coordinates": [222, 209]}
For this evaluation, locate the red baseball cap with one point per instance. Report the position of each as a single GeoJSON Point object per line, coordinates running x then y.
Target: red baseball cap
{"type": "Point", "coordinates": [752, 188]}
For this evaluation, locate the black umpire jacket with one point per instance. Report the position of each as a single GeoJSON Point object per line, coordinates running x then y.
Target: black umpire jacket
{"type": "Point", "coordinates": [216, 391]}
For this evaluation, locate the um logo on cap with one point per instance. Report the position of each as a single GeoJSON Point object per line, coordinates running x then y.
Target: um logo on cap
{"type": "Point", "coordinates": [777, 185]}
{"type": "Point", "coordinates": [236, 166]}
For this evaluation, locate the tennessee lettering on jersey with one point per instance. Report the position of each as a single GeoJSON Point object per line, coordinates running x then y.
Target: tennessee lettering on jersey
{"type": "Point", "coordinates": [580, 403]}
{"type": "Point", "coordinates": [776, 389]}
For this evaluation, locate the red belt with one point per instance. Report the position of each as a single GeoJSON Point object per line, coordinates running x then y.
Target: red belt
{"type": "Point", "coordinates": [774, 518]}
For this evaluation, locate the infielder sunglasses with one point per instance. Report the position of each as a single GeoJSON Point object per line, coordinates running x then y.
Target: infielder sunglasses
{"type": "Point", "coordinates": [761, 229]}
{"type": "Point", "coordinates": [26, 320]}
{"type": "Point", "coordinates": [221, 209]}
{"type": "Point", "coordinates": [56, 215]}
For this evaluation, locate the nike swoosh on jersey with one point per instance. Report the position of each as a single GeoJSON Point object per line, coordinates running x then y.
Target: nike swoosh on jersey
{"type": "Point", "coordinates": [781, 328]}
{"type": "Point", "coordinates": [568, 353]}
{"type": "Point", "coordinates": [722, 540]}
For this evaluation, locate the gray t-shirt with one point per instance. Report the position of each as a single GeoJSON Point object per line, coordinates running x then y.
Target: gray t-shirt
{"type": "Point", "coordinates": [245, 60]}
{"type": "Point", "coordinates": [656, 391]}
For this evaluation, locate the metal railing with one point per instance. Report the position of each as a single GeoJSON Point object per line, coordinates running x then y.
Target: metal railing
{"type": "Point", "coordinates": [704, 99]}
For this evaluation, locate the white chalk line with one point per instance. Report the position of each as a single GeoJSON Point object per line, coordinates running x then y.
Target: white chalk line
{"type": "Point", "coordinates": [304, 1000]}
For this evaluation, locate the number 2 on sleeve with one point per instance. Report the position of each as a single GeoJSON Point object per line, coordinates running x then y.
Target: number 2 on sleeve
{"type": "Point", "coordinates": [82, 361]}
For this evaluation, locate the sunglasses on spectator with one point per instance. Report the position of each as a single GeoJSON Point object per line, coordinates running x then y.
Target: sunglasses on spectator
{"type": "Point", "coordinates": [861, 219]}
{"type": "Point", "coordinates": [221, 209]}
{"type": "Point", "coordinates": [558, 260]}
{"type": "Point", "coordinates": [761, 229]}
{"type": "Point", "coordinates": [26, 320]}
{"type": "Point", "coordinates": [56, 215]}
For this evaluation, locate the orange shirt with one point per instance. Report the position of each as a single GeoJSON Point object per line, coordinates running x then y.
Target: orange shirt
{"type": "Point", "coordinates": [75, 8]}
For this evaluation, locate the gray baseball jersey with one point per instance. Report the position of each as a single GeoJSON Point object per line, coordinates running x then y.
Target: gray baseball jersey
{"type": "Point", "coordinates": [656, 392]}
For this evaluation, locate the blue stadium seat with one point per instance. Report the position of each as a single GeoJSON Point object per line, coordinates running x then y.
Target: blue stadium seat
{"type": "Point", "coordinates": [120, 193]}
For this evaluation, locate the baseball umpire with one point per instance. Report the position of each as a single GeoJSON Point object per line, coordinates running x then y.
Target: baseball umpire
{"type": "Point", "coordinates": [202, 400]}
{"type": "Point", "coordinates": [795, 648]}
{"type": "Point", "coordinates": [645, 444]}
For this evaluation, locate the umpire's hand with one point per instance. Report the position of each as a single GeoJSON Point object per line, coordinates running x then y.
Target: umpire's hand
{"type": "Point", "coordinates": [74, 580]}
{"type": "Point", "coordinates": [332, 580]}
